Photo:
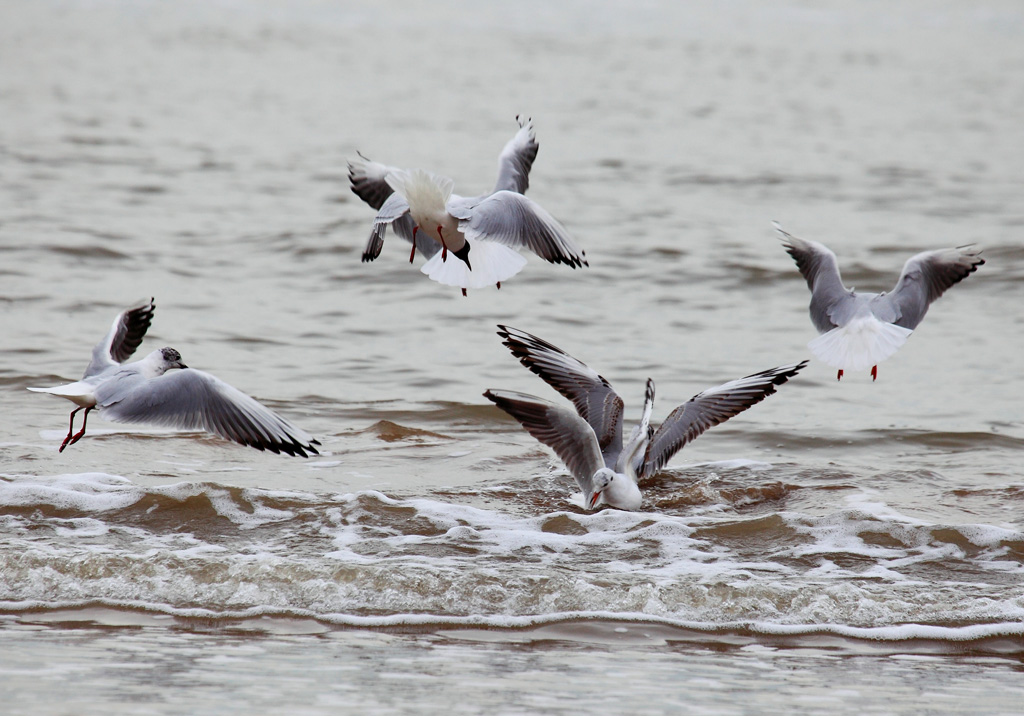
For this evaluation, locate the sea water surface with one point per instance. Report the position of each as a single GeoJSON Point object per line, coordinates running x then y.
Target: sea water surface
{"type": "Point", "coordinates": [845, 546]}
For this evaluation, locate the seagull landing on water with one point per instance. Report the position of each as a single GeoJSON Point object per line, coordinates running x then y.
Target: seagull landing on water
{"type": "Point", "coordinates": [160, 389]}
{"type": "Point", "coordinates": [483, 233]}
{"type": "Point", "coordinates": [589, 439]}
{"type": "Point", "coordinates": [863, 329]}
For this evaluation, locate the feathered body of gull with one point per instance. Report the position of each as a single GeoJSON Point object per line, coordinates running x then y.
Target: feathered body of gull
{"type": "Point", "coordinates": [161, 390]}
{"type": "Point", "coordinates": [860, 330]}
{"type": "Point", "coordinates": [589, 439]}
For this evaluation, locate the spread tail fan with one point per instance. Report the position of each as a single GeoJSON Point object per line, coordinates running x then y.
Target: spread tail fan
{"type": "Point", "coordinates": [860, 344]}
{"type": "Point", "coordinates": [491, 264]}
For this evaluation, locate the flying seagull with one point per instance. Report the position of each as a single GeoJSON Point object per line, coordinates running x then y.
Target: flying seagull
{"type": "Point", "coordinates": [863, 329]}
{"type": "Point", "coordinates": [160, 389]}
{"type": "Point", "coordinates": [589, 439]}
{"type": "Point", "coordinates": [482, 232]}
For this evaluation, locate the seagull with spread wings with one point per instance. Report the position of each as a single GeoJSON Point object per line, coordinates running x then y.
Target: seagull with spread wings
{"type": "Point", "coordinates": [483, 233]}
{"type": "Point", "coordinates": [859, 330]}
{"type": "Point", "coordinates": [589, 438]}
{"type": "Point", "coordinates": [160, 389]}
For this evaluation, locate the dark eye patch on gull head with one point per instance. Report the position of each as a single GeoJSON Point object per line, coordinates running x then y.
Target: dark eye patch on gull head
{"type": "Point", "coordinates": [172, 356]}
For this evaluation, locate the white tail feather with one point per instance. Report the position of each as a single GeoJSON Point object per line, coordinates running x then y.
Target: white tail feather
{"type": "Point", "coordinates": [860, 344]}
{"type": "Point", "coordinates": [491, 263]}
{"type": "Point", "coordinates": [421, 188]}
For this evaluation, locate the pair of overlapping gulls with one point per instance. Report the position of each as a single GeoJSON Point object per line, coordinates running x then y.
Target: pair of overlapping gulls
{"type": "Point", "coordinates": [161, 390]}
{"type": "Point", "coordinates": [481, 232]}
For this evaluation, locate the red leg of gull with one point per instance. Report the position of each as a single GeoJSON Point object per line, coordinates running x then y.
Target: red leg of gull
{"type": "Point", "coordinates": [413, 253]}
{"type": "Point", "coordinates": [79, 434]}
{"type": "Point", "coordinates": [498, 285]}
{"type": "Point", "coordinates": [874, 372]}
{"type": "Point", "coordinates": [464, 292]}
{"type": "Point", "coordinates": [444, 246]}
{"type": "Point", "coordinates": [840, 376]}
{"type": "Point", "coordinates": [71, 429]}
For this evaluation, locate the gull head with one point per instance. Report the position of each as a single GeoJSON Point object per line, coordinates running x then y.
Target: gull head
{"type": "Point", "coordinates": [168, 359]}
{"type": "Point", "coordinates": [615, 489]}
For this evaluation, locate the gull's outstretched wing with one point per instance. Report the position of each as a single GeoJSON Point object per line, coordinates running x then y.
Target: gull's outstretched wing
{"type": "Point", "coordinates": [709, 408]}
{"type": "Point", "coordinates": [516, 159]}
{"type": "Point", "coordinates": [595, 399]}
{"type": "Point", "coordinates": [830, 299]}
{"type": "Point", "coordinates": [193, 400]}
{"type": "Point", "coordinates": [124, 337]}
{"type": "Point", "coordinates": [560, 429]}
{"type": "Point", "coordinates": [925, 277]}
{"type": "Point", "coordinates": [516, 221]}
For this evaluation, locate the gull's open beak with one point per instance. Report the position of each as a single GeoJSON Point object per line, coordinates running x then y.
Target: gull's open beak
{"type": "Point", "coordinates": [594, 498]}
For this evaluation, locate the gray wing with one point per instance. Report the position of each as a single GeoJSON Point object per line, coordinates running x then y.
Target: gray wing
{"type": "Point", "coordinates": [560, 429]}
{"type": "Point", "coordinates": [709, 408]}
{"type": "Point", "coordinates": [193, 400]}
{"type": "Point", "coordinates": [369, 184]}
{"type": "Point", "coordinates": [367, 180]}
{"type": "Point", "coordinates": [123, 338]}
{"type": "Point", "coordinates": [595, 399]}
{"type": "Point", "coordinates": [516, 159]}
{"type": "Point", "coordinates": [395, 213]}
{"type": "Point", "coordinates": [517, 221]}
{"type": "Point", "coordinates": [925, 277]}
{"type": "Point", "coordinates": [831, 301]}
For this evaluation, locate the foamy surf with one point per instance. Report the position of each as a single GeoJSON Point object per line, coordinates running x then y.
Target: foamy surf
{"type": "Point", "coordinates": [203, 550]}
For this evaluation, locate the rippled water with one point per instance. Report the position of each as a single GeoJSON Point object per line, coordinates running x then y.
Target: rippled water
{"type": "Point", "coordinates": [850, 546]}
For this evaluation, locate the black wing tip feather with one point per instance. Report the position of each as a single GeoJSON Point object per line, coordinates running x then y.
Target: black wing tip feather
{"type": "Point", "coordinates": [779, 375]}
{"type": "Point", "coordinates": [573, 262]}
{"type": "Point", "coordinates": [784, 373]}
{"type": "Point", "coordinates": [513, 406]}
{"type": "Point", "coordinates": [293, 448]}
{"type": "Point", "coordinates": [523, 344]}
{"type": "Point", "coordinates": [519, 340]}
{"type": "Point", "coordinates": [498, 399]}
{"type": "Point", "coordinates": [373, 246]}
{"type": "Point", "coordinates": [528, 410]}
{"type": "Point", "coordinates": [136, 322]}
{"type": "Point", "coordinates": [974, 260]}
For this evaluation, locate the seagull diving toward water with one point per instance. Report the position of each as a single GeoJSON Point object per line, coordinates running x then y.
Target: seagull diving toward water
{"type": "Point", "coordinates": [482, 232]}
{"type": "Point", "coordinates": [161, 390]}
{"type": "Point", "coordinates": [863, 329]}
{"type": "Point", "coordinates": [589, 439]}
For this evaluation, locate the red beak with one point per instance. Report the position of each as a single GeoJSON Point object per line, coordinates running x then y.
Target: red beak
{"type": "Point", "coordinates": [593, 500]}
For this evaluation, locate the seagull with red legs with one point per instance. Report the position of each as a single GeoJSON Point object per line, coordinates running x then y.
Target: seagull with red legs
{"type": "Point", "coordinates": [161, 390]}
{"type": "Point", "coordinates": [482, 233]}
{"type": "Point", "coordinates": [860, 330]}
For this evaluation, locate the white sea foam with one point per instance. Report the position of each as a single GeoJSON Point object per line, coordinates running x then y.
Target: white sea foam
{"type": "Point", "coordinates": [90, 491]}
{"type": "Point", "coordinates": [339, 558]}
